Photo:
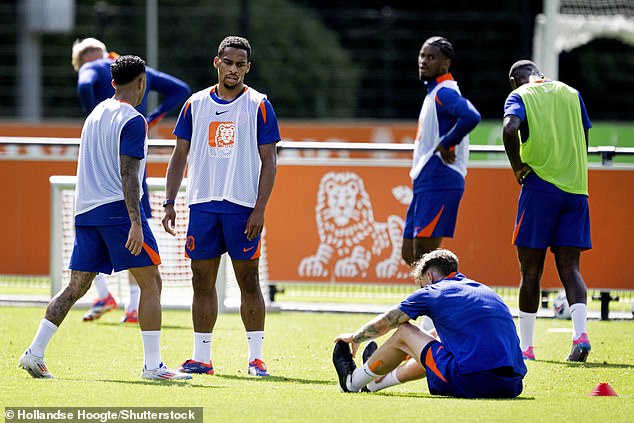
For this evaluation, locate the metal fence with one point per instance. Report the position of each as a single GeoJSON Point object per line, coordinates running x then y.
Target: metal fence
{"type": "Point", "coordinates": [378, 45]}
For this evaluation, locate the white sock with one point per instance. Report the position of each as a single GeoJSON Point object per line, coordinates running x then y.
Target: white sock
{"type": "Point", "coordinates": [100, 283]}
{"type": "Point", "coordinates": [255, 339]}
{"type": "Point", "coordinates": [527, 329]}
{"type": "Point", "coordinates": [151, 348]}
{"type": "Point", "coordinates": [202, 347]}
{"type": "Point", "coordinates": [42, 337]}
{"type": "Point", "coordinates": [390, 379]}
{"type": "Point", "coordinates": [579, 316]}
{"type": "Point", "coordinates": [361, 377]}
{"type": "Point", "coordinates": [135, 293]}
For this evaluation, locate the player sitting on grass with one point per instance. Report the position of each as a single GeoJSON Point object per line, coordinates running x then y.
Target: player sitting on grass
{"type": "Point", "coordinates": [479, 356]}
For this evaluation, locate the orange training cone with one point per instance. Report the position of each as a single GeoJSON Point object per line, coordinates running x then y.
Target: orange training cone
{"type": "Point", "coordinates": [603, 389]}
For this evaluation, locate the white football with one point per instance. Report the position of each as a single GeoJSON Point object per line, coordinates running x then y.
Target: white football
{"type": "Point", "coordinates": [560, 306]}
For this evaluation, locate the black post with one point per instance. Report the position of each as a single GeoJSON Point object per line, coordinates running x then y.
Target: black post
{"type": "Point", "coordinates": [545, 294]}
{"type": "Point", "coordinates": [244, 19]}
{"type": "Point", "coordinates": [605, 305]}
{"type": "Point", "coordinates": [605, 299]}
{"type": "Point", "coordinates": [387, 58]}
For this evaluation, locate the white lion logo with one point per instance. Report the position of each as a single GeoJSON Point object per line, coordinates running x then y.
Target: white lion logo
{"type": "Point", "coordinates": [225, 135]}
{"type": "Point", "coordinates": [222, 139]}
{"type": "Point", "coordinates": [349, 237]}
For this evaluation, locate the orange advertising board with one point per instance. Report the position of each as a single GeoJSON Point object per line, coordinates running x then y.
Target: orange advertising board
{"type": "Point", "coordinates": [341, 221]}
{"type": "Point", "coordinates": [368, 131]}
{"type": "Point", "coordinates": [337, 224]}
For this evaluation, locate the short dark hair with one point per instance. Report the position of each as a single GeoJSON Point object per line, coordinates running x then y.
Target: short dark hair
{"type": "Point", "coordinates": [235, 42]}
{"type": "Point", "coordinates": [125, 68]}
{"type": "Point", "coordinates": [446, 48]}
{"type": "Point", "coordinates": [522, 66]}
{"type": "Point", "coordinates": [444, 261]}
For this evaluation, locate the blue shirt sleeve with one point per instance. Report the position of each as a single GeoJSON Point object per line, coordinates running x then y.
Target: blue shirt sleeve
{"type": "Point", "coordinates": [133, 138]}
{"type": "Point", "coordinates": [465, 115]}
{"type": "Point", "coordinates": [515, 106]}
{"type": "Point", "coordinates": [183, 128]}
{"type": "Point", "coordinates": [173, 89]}
{"type": "Point", "coordinates": [584, 115]}
{"type": "Point", "coordinates": [267, 126]}
{"type": "Point", "coordinates": [268, 129]}
{"type": "Point", "coordinates": [86, 79]}
{"type": "Point", "coordinates": [415, 304]}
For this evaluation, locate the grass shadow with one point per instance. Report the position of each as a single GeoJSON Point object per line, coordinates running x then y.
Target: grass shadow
{"type": "Point", "coordinates": [570, 364]}
{"type": "Point", "coordinates": [278, 379]}
{"type": "Point", "coordinates": [430, 396]}
{"type": "Point", "coordinates": [192, 384]}
{"type": "Point", "coordinates": [136, 326]}
{"type": "Point", "coordinates": [181, 383]}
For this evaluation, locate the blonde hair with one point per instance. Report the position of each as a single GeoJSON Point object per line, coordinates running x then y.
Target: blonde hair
{"type": "Point", "coordinates": [81, 47]}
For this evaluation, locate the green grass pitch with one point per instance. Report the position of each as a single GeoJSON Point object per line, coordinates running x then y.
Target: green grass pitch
{"type": "Point", "coordinates": [99, 364]}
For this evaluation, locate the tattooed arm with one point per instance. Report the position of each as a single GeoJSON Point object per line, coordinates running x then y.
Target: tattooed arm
{"type": "Point", "coordinates": [378, 326]}
{"type": "Point", "coordinates": [131, 194]}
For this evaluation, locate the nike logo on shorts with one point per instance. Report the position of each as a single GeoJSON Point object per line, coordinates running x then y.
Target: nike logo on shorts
{"type": "Point", "coordinates": [246, 250]}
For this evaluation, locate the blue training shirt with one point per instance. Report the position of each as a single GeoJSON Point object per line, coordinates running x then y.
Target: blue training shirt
{"type": "Point", "coordinates": [456, 118]}
{"type": "Point", "coordinates": [94, 85]}
{"type": "Point", "coordinates": [472, 321]}
{"type": "Point", "coordinates": [267, 132]}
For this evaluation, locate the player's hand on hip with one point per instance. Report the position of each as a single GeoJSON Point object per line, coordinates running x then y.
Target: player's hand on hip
{"type": "Point", "coordinates": [135, 239]}
{"type": "Point", "coordinates": [448, 156]}
{"type": "Point", "coordinates": [169, 220]}
{"type": "Point", "coordinates": [521, 173]}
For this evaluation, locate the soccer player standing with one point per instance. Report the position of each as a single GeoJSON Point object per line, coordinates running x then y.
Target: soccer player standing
{"type": "Point", "coordinates": [91, 60]}
{"type": "Point", "coordinates": [111, 230]}
{"type": "Point", "coordinates": [478, 354]}
{"type": "Point", "coordinates": [441, 151]}
{"type": "Point", "coordinates": [226, 135]}
{"type": "Point", "coordinates": [545, 135]}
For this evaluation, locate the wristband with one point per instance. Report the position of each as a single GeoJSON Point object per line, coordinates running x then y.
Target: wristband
{"type": "Point", "coordinates": [168, 203]}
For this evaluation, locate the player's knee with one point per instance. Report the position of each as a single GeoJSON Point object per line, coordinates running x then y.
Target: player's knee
{"type": "Point", "coordinates": [79, 284]}
{"type": "Point", "coordinates": [411, 339]}
{"type": "Point", "coordinates": [204, 290]}
{"type": "Point", "coordinates": [247, 275]}
{"type": "Point", "coordinates": [204, 284]}
{"type": "Point", "coordinates": [150, 281]}
{"type": "Point", "coordinates": [251, 288]}
{"type": "Point", "coordinates": [157, 282]}
{"type": "Point", "coordinates": [406, 330]}
{"type": "Point", "coordinates": [151, 290]}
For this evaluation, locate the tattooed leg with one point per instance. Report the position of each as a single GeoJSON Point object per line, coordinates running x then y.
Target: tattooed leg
{"type": "Point", "coordinates": [60, 305]}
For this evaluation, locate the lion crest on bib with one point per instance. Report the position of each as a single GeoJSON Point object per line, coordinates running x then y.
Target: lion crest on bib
{"type": "Point", "coordinates": [351, 241]}
{"type": "Point", "coordinates": [225, 135]}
